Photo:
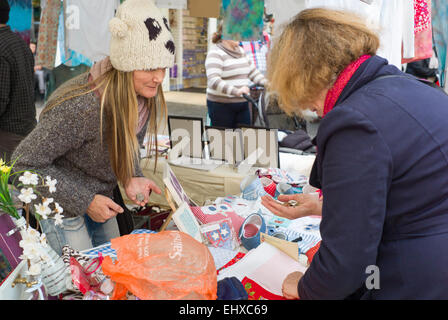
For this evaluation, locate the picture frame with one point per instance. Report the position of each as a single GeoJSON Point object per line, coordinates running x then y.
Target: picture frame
{"type": "Point", "coordinates": [174, 187]}
{"type": "Point", "coordinates": [270, 148]}
{"type": "Point", "coordinates": [186, 222]}
{"type": "Point", "coordinates": [181, 126]}
{"type": "Point", "coordinates": [230, 139]}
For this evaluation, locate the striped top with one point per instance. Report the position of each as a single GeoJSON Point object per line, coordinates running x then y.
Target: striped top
{"type": "Point", "coordinates": [227, 73]}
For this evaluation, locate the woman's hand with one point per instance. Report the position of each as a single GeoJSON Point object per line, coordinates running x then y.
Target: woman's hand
{"type": "Point", "coordinates": [243, 90]}
{"type": "Point", "coordinates": [290, 286]}
{"type": "Point", "coordinates": [308, 204]}
{"type": "Point", "coordinates": [139, 189]}
{"type": "Point", "coordinates": [103, 208]}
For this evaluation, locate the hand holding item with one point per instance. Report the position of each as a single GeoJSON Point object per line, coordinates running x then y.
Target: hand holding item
{"type": "Point", "coordinates": [290, 287]}
{"type": "Point", "coordinates": [103, 208]}
{"type": "Point", "coordinates": [139, 189]}
{"type": "Point", "coordinates": [243, 90]}
{"type": "Point", "coordinates": [294, 206]}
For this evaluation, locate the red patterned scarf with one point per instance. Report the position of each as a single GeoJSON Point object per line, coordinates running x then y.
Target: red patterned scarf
{"type": "Point", "coordinates": [335, 91]}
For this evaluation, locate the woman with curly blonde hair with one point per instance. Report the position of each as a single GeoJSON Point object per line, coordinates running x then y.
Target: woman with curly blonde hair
{"type": "Point", "coordinates": [381, 165]}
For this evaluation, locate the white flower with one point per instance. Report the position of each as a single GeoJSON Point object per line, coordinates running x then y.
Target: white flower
{"type": "Point", "coordinates": [33, 244]}
{"type": "Point", "coordinates": [35, 269]}
{"type": "Point", "coordinates": [47, 201]}
{"type": "Point", "coordinates": [27, 195]}
{"type": "Point", "coordinates": [42, 210]}
{"type": "Point", "coordinates": [29, 178]}
{"type": "Point", "coordinates": [51, 184]}
{"type": "Point", "coordinates": [58, 208]}
{"type": "Point", "coordinates": [31, 249]}
{"type": "Point", "coordinates": [44, 257]}
{"type": "Point", "coordinates": [26, 243]}
{"type": "Point", "coordinates": [43, 240]}
{"type": "Point", "coordinates": [32, 233]}
{"type": "Point", "coordinates": [58, 217]}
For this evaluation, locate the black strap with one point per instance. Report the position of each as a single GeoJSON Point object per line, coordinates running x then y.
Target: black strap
{"type": "Point", "coordinates": [408, 76]}
{"type": "Point", "coordinates": [124, 220]}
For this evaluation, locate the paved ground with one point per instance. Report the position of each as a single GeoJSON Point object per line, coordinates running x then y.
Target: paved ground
{"type": "Point", "coordinates": [191, 104]}
{"type": "Point", "coordinates": [186, 104]}
{"type": "Point", "coordinates": [179, 103]}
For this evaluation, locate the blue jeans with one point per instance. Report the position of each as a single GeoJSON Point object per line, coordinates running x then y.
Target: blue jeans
{"type": "Point", "coordinates": [80, 232]}
{"type": "Point", "coordinates": [228, 115]}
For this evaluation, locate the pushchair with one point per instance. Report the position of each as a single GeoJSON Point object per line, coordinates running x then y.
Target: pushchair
{"type": "Point", "coordinates": [269, 115]}
{"type": "Point", "coordinates": [266, 113]}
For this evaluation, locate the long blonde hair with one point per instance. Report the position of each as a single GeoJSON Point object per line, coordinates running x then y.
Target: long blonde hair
{"type": "Point", "coordinates": [311, 52]}
{"type": "Point", "coordinates": [119, 113]}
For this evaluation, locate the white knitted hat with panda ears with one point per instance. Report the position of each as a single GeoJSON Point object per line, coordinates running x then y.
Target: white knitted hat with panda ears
{"type": "Point", "coordinates": [141, 38]}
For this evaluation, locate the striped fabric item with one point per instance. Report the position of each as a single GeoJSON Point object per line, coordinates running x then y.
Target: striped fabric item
{"type": "Point", "coordinates": [269, 186]}
{"type": "Point", "coordinates": [256, 51]}
{"type": "Point", "coordinates": [106, 248]}
{"type": "Point", "coordinates": [305, 241]}
{"type": "Point", "coordinates": [226, 74]}
{"type": "Point", "coordinates": [308, 242]}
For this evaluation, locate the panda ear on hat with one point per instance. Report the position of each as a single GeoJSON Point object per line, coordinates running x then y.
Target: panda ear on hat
{"type": "Point", "coordinates": [118, 28]}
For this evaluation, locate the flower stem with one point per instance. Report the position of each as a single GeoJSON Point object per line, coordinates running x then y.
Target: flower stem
{"type": "Point", "coordinates": [27, 211]}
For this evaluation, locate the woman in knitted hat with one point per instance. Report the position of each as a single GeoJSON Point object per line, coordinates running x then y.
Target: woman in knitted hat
{"type": "Point", "coordinates": [381, 164]}
{"type": "Point", "coordinates": [91, 130]}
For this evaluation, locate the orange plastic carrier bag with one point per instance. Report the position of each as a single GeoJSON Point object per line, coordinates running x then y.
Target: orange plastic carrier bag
{"type": "Point", "coordinates": [169, 265]}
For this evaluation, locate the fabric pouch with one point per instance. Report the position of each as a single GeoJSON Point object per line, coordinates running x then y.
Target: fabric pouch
{"type": "Point", "coordinates": [217, 212]}
{"type": "Point", "coordinates": [220, 234]}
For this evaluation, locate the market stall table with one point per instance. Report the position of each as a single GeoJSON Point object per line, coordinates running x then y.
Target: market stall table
{"type": "Point", "coordinates": [201, 185]}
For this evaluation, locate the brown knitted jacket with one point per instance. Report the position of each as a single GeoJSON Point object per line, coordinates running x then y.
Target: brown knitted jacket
{"type": "Point", "coordinates": [66, 145]}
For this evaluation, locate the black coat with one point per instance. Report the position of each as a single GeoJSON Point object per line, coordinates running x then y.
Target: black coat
{"type": "Point", "coordinates": [17, 108]}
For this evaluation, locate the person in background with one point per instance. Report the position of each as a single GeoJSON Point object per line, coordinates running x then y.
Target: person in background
{"type": "Point", "coordinates": [91, 129]}
{"type": "Point", "coordinates": [422, 70]}
{"type": "Point", "coordinates": [229, 72]}
{"type": "Point", "coordinates": [39, 73]}
{"type": "Point", "coordinates": [17, 109]}
{"type": "Point", "coordinates": [381, 163]}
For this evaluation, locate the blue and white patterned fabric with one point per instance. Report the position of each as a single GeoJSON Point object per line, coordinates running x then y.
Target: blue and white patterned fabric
{"type": "Point", "coordinates": [106, 249]}
{"type": "Point", "coordinates": [254, 190]}
{"type": "Point", "coordinates": [308, 241]}
{"type": "Point", "coordinates": [304, 240]}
